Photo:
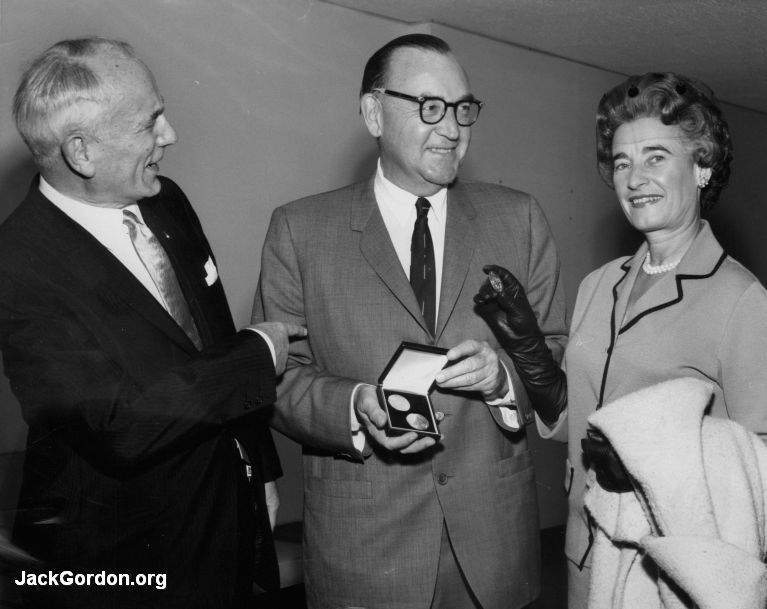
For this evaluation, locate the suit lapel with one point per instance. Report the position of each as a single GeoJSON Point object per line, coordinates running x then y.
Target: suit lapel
{"type": "Point", "coordinates": [187, 256]}
{"type": "Point", "coordinates": [702, 259]}
{"type": "Point", "coordinates": [85, 261]}
{"type": "Point", "coordinates": [377, 248]}
{"type": "Point", "coordinates": [622, 288]}
{"type": "Point", "coordinates": [460, 243]}
{"type": "Point", "coordinates": [378, 251]}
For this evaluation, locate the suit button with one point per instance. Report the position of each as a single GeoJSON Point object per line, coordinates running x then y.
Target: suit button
{"type": "Point", "coordinates": [442, 479]}
{"type": "Point", "coordinates": [439, 415]}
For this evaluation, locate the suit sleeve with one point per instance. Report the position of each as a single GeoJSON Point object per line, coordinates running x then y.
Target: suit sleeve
{"type": "Point", "coordinates": [305, 392]}
{"type": "Point", "coordinates": [257, 439]}
{"type": "Point", "coordinates": [545, 292]}
{"type": "Point", "coordinates": [65, 368]}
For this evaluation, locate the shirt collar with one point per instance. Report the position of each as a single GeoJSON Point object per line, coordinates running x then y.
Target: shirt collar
{"type": "Point", "coordinates": [90, 217]}
{"type": "Point", "coordinates": [402, 202]}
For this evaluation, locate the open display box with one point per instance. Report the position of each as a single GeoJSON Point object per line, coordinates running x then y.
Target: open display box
{"type": "Point", "coordinates": [403, 388]}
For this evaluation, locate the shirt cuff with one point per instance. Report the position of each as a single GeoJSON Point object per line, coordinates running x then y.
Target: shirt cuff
{"type": "Point", "coordinates": [358, 436]}
{"type": "Point", "coordinates": [268, 343]}
{"type": "Point", "coordinates": [507, 405]}
{"type": "Point", "coordinates": [510, 397]}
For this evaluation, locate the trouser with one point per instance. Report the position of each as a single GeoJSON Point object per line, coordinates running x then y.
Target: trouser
{"type": "Point", "coordinates": [451, 590]}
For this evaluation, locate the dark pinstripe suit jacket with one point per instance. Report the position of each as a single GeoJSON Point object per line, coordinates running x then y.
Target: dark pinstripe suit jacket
{"type": "Point", "coordinates": [131, 463]}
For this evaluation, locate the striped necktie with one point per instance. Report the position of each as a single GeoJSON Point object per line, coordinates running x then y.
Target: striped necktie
{"type": "Point", "coordinates": [156, 261]}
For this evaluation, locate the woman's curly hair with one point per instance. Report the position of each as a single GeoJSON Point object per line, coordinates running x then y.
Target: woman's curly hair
{"type": "Point", "coordinates": [674, 100]}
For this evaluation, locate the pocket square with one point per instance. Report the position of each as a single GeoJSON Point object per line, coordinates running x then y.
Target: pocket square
{"type": "Point", "coordinates": [211, 272]}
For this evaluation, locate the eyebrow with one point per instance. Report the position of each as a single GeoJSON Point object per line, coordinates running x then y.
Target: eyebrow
{"type": "Point", "coordinates": [153, 117]}
{"type": "Point", "coordinates": [467, 97]}
{"type": "Point", "coordinates": [655, 148]}
{"type": "Point", "coordinates": [645, 150]}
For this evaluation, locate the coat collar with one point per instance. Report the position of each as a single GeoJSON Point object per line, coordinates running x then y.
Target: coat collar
{"type": "Point", "coordinates": [702, 260]}
{"type": "Point", "coordinates": [379, 252]}
{"type": "Point", "coordinates": [73, 252]}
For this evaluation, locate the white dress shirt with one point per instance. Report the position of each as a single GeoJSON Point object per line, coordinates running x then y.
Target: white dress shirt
{"type": "Point", "coordinates": [106, 225]}
{"type": "Point", "coordinates": [397, 207]}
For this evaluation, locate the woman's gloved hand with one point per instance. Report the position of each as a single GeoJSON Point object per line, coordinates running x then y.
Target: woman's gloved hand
{"type": "Point", "coordinates": [600, 456]}
{"type": "Point", "coordinates": [502, 303]}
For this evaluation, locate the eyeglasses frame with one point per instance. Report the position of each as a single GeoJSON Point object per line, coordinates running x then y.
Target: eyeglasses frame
{"type": "Point", "coordinates": [421, 100]}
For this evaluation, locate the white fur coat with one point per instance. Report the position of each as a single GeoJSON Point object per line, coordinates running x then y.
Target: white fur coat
{"type": "Point", "coordinates": [693, 533]}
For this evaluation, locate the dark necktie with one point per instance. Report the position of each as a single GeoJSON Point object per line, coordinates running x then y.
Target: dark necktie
{"type": "Point", "coordinates": [157, 264]}
{"type": "Point", "coordinates": [423, 274]}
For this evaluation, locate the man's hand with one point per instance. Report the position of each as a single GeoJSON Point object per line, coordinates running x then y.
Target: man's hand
{"type": "Point", "coordinates": [280, 334]}
{"type": "Point", "coordinates": [477, 368]}
{"type": "Point", "coordinates": [372, 418]}
{"type": "Point", "coordinates": [272, 502]}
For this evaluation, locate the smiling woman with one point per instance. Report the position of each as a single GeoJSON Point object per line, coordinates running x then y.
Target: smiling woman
{"type": "Point", "coordinates": [657, 180]}
{"type": "Point", "coordinates": [679, 307]}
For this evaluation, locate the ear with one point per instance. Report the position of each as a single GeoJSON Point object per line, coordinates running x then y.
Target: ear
{"type": "Point", "coordinates": [370, 108]}
{"type": "Point", "coordinates": [78, 155]}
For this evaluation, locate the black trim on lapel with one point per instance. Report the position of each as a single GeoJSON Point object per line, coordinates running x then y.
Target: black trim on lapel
{"type": "Point", "coordinates": [679, 278]}
{"type": "Point", "coordinates": [626, 267]}
{"type": "Point", "coordinates": [680, 293]}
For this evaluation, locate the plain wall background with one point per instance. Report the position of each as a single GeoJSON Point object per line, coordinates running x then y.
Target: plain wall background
{"type": "Point", "coordinates": [263, 95]}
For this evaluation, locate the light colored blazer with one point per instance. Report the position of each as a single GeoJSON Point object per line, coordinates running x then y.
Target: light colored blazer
{"type": "Point", "coordinates": [707, 319]}
{"type": "Point", "coordinates": [373, 522]}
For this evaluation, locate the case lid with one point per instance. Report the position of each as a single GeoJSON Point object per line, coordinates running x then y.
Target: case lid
{"type": "Point", "coordinates": [413, 367]}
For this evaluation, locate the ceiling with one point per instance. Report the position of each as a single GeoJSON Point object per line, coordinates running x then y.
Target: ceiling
{"type": "Point", "coordinates": [721, 42]}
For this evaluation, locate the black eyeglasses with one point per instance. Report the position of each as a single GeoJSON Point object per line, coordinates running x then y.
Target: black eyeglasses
{"type": "Point", "coordinates": [433, 109]}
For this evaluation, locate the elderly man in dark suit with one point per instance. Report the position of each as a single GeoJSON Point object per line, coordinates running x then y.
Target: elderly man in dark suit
{"type": "Point", "coordinates": [403, 521]}
{"type": "Point", "coordinates": [146, 454]}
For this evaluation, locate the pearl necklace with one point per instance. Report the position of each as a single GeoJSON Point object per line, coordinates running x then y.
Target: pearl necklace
{"type": "Point", "coordinates": [651, 269]}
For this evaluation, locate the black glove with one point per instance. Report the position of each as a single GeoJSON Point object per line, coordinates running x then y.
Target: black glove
{"type": "Point", "coordinates": [599, 455]}
{"type": "Point", "coordinates": [508, 313]}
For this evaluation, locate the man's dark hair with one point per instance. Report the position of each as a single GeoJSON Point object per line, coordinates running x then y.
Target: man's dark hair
{"type": "Point", "coordinates": [377, 67]}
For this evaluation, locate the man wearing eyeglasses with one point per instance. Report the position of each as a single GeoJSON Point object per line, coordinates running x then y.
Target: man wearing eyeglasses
{"type": "Point", "coordinates": [410, 521]}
